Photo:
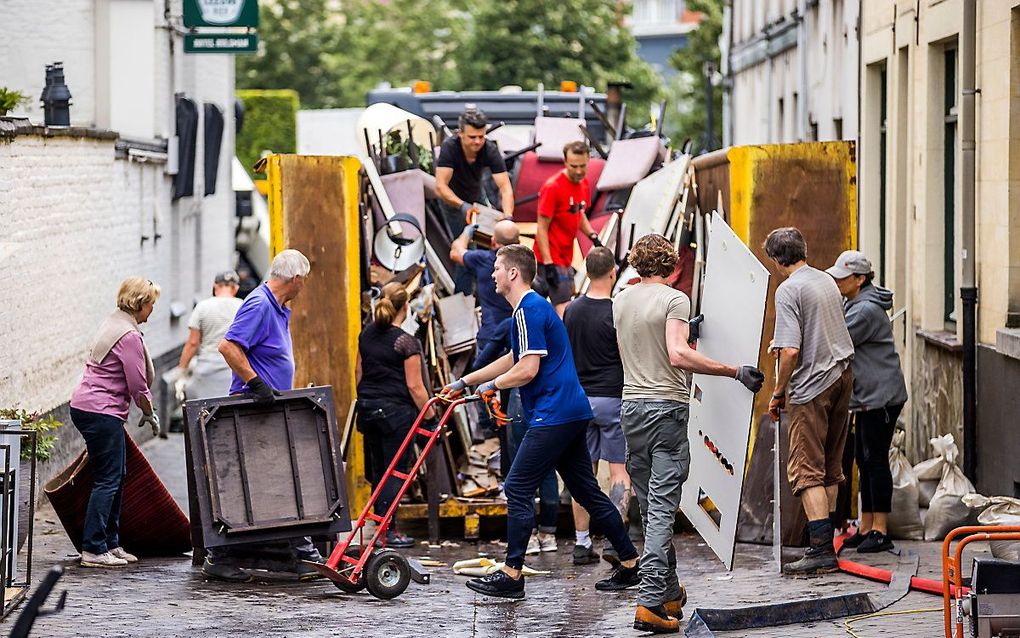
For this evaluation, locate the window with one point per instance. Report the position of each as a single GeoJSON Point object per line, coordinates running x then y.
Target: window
{"type": "Point", "coordinates": [949, 188]}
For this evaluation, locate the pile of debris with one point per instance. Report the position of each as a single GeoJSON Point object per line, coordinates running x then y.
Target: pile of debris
{"type": "Point", "coordinates": [640, 186]}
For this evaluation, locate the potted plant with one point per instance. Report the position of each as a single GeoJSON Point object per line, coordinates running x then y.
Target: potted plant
{"type": "Point", "coordinates": [10, 99]}
{"type": "Point", "coordinates": [45, 426]}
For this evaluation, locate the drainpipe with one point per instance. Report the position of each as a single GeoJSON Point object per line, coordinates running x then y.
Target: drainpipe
{"type": "Point", "coordinates": [968, 284]}
{"type": "Point", "coordinates": [727, 96]}
{"type": "Point", "coordinates": [802, 72]}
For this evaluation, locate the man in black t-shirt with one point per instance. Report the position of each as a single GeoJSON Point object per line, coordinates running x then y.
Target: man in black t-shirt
{"type": "Point", "coordinates": [589, 321]}
{"type": "Point", "coordinates": [460, 168]}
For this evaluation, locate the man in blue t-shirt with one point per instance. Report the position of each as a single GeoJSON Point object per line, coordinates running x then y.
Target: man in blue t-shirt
{"type": "Point", "coordinates": [491, 341]}
{"type": "Point", "coordinates": [541, 364]}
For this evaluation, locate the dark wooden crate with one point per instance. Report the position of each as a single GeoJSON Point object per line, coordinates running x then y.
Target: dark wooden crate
{"type": "Point", "coordinates": [258, 474]}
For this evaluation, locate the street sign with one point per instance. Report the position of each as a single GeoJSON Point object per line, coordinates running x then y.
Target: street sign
{"type": "Point", "coordinates": [221, 42]}
{"type": "Point", "coordinates": [221, 13]}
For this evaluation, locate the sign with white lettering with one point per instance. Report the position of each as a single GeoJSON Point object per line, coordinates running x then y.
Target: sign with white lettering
{"type": "Point", "coordinates": [221, 42]}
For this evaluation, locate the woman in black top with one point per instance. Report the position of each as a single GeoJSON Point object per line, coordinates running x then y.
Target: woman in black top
{"type": "Point", "coordinates": [391, 392]}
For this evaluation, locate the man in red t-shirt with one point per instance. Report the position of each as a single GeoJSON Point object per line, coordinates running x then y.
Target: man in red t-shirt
{"type": "Point", "coordinates": [563, 205]}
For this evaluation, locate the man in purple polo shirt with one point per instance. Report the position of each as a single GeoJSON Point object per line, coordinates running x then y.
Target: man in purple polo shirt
{"type": "Point", "coordinates": [258, 349]}
{"type": "Point", "coordinates": [257, 346]}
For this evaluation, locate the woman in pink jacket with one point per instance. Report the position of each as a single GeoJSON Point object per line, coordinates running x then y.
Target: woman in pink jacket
{"type": "Point", "coordinates": [117, 373]}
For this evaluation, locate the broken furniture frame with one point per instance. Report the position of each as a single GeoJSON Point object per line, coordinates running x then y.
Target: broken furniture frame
{"type": "Point", "coordinates": [259, 474]}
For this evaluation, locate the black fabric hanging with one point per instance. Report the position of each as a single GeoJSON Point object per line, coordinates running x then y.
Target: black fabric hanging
{"type": "Point", "coordinates": [187, 138]}
{"type": "Point", "coordinates": [213, 140]}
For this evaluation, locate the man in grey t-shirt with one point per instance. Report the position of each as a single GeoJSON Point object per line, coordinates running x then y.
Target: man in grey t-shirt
{"type": "Point", "coordinates": [652, 331]}
{"type": "Point", "coordinates": [210, 375]}
{"type": "Point", "coordinates": [814, 384]}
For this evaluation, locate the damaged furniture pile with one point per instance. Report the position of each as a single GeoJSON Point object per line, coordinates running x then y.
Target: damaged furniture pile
{"type": "Point", "coordinates": [639, 186]}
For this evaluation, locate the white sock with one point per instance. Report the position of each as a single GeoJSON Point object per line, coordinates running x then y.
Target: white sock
{"type": "Point", "coordinates": [583, 539]}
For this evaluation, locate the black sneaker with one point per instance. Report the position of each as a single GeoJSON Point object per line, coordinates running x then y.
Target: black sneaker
{"type": "Point", "coordinates": [397, 540]}
{"type": "Point", "coordinates": [621, 578]}
{"type": "Point", "coordinates": [875, 542]}
{"type": "Point", "coordinates": [225, 571]}
{"type": "Point", "coordinates": [585, 555]}
{"type": "Point", "coordinates": [498, 584]}
{"type": "Point", "coordinates": [854, 540]}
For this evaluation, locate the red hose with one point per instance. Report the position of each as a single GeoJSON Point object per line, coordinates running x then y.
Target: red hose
{"type": "Point", "coordinates": [878, 574]}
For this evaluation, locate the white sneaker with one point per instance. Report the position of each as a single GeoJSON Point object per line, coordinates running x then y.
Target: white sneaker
{"type": "Point", "coordinates": [534, 545]}
{"type": "Point", "coordinates": [106, 559]}
{"type": "Point", "coordinates": [547, 542]}
{"type": "Point", "coordinates": [120, 553]}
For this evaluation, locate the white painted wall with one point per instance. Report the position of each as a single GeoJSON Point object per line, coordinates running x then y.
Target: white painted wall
{"type": "Point", "coordinates": [72, 215]}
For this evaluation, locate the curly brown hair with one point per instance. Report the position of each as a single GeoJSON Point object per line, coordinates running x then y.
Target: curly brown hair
{"type": "Point", "coordinates": [653, 256]}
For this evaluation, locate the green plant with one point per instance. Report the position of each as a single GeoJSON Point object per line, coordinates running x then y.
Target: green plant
{"type": "Point", "coordinates": [42, 424]}
{"type": "Point", "coordinates": [270, 124]}
{"type": "Point", "coordinates": [10, 99]}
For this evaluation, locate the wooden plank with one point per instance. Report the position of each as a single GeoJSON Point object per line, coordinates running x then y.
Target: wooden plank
{"type": "Point", "coordinates": [314, 209]}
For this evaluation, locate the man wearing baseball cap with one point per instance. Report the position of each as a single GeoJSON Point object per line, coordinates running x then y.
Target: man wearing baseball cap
{"type": "Point", "coordinates": [879, 393]}
{"type": "Point", "coordinates": [210, 374]}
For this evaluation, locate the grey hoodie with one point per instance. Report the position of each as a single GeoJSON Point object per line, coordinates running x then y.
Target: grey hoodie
{"type": "Point", "coordinates": [878, 380]}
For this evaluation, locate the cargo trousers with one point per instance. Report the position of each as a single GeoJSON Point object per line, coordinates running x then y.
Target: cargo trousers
{"type": "Point", "coordinates": [658, 461]}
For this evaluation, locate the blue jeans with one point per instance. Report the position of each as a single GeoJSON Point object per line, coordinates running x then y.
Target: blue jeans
{"type": "Point", "coordinates": [104, 440]}
{"type": "Point", "coordinates": [548, 489]}
{"type": "Point", "coordinates": [563, 448]}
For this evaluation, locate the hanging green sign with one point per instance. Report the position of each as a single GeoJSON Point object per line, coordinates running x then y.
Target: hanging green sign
{"type": "Point", "coordinates": [221, 13]}
{"type": "Point", "coordinates": [221, 42]}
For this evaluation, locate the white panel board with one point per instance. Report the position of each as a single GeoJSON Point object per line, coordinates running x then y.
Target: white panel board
{"type": "Point", "coordinates": [651, 203]}
{"type": "Point", "coordinates": [733, 302]}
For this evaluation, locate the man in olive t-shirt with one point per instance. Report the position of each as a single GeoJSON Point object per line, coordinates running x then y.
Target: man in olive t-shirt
{"type": "Point", "coordinates": [651, 327]}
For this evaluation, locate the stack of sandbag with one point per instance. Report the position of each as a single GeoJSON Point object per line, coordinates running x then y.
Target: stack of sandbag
{"type": "Point", "coordinates": [946, 510]}
{"type": "Point", "coordinates": [997, 510]}
{"type": "Point", "coordinates": [905, 518]}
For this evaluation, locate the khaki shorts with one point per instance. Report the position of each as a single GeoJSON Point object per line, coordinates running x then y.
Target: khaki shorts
{"type": "Point", "coordinates": [818, 433]}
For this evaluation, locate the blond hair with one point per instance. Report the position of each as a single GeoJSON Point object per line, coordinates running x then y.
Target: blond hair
{"type": "Point", "coordinates": [135, 292]}
{"type": "Point", "coordinates": [393, 300]}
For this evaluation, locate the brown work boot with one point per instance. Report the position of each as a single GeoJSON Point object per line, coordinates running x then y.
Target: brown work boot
{"type": "Point", "coordinates": [675, 608]}
{"type": "Point", "coordinates": [655, 620]}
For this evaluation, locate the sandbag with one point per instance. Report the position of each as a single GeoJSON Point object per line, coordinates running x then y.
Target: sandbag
{"type": "Point", "coordinates": [997, 510]}
{"type": "Point", "coordinates": [947, 510]}
{"type": "Point", "coordinates": [905, 519]}
{"type": "Point", "coordinates": [151, 522]}
{"type": "Point", "coordinates": [929, 471]}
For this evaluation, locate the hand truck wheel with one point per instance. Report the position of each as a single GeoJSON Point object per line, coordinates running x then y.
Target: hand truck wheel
{"type": "Point", "coordinates": [387, 574]}
{"type": "Point", "coordinates": [346, 586]}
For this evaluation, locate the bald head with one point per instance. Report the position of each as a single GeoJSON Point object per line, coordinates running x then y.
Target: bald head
{"type": "Point", "coordinates": [505, 233]}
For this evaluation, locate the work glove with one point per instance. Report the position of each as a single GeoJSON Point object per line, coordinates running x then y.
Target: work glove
{"type": "Point", "coordinates": [548, 273]}
{"type": "Point", "coordinates": [151, 420]}
{"type": "Point", "coordinates": [467, 209]}
{"type": "Point", "coordinates": [469, 231]}
{"type": "Point", "coordinates": [261, 392]}
{"type": "Point", "coordinates": [594, 237]}
{"type": "Point", "coordinates": [489, 387]}
{"type": "Point", "coordinates": [694, 329]}
{"type": "Point", "coordinates": [452, 390]}
{"type": "Point", "coordinates": [751, 377]}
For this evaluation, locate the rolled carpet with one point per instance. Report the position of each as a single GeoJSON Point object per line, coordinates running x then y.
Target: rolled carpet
{"type": "Point", "coordinates": [151, 523]}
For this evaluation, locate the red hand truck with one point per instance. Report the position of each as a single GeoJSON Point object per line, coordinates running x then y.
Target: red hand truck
{"type": "Point", "coordinates": [385, 572]}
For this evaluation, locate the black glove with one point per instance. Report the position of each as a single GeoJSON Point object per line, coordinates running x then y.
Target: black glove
{"type": "Point", "coordinates": [751, 377]}
{"type": "Point", "coordinates": [260, 392]}
{"type": "Point", "coordinates": [549, 273]}
{"type": "Point", "coordinates": [694, 328]}
{"type": "Point", "coordinates": [539, 285]}
{"type": "Point", "coordinates": [594, 237]}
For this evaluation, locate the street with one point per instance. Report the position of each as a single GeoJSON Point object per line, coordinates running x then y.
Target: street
{"type": "Point", "coordinates": [169, 597]}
